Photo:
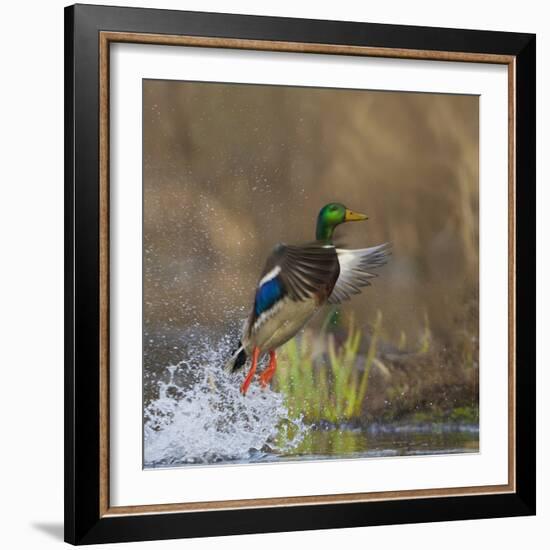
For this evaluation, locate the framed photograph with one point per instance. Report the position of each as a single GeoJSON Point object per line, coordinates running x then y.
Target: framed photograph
{"type": "Point", "coordinates": [300, 274]}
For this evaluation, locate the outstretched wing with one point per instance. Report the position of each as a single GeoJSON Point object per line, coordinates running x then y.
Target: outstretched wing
{"type": "Point", "coordinates": [355, 266]}
{"type": "Point", "coordinates": [308, 270]}
{"type": "Point", "coordinates": [299, 272]}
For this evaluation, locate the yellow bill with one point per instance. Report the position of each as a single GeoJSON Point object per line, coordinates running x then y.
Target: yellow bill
{"type": "Point", "coordinates": [354, 216]}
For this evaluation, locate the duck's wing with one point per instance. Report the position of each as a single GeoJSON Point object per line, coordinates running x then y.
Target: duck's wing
{"type": "Point", "coordinates": [355, 270]}
{"type": "Point", "coordinates": [306, 271]}
{"type": "Point", "coordinates": [299, 272]}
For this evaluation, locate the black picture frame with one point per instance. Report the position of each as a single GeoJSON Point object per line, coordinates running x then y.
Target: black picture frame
{"type": "Point", "coordinates": [84, 523]}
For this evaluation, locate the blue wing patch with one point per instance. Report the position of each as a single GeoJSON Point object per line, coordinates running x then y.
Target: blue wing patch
{"type": "Point", "coordinates": [267, 295]}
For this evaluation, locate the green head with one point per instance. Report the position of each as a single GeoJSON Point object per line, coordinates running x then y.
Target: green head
{"type": "Point", "coordinates": [330, 216]}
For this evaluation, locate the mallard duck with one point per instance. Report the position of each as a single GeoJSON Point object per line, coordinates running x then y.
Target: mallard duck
{"type": "Point", "coordinates": [296, 282]}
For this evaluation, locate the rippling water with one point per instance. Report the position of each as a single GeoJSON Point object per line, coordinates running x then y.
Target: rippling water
{"type": "Point", "coordinates": [198, 416]}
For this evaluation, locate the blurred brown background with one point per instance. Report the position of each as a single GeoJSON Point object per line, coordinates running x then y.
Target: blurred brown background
{"type": "Point", "coordinates": [230, 170]}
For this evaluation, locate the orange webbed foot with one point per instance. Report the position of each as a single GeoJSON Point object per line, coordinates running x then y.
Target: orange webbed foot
{"type": "Point", "coordinates": [268, 373]}
{"type": "Point", "coordinates": [250, 375]}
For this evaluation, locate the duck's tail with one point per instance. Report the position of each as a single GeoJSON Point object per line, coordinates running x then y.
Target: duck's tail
{"type": "Point", "coordinates": [237, 360]}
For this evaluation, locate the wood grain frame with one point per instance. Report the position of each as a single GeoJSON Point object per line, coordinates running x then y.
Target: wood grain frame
{"type": "Point", "coordinates": [107, 38]}
{"type": "Point", "coordinates": [108, 523]}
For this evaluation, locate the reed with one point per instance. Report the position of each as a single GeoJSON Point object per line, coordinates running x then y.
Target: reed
{"type": "Point", "coordinates": [332, 386]}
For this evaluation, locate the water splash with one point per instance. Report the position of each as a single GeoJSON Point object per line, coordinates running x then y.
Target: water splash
{"type": "Point", "coordinates": [200, 416]}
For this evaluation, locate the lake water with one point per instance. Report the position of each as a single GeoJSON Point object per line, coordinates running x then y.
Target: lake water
{"type": "Point", "coordinates": [385, 441]}
{"type": "Point", "coordinates": [212, 423]}
{"type": "Point", "coordinates": [195, 414]}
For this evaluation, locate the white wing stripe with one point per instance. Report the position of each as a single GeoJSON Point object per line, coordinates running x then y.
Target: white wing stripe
{"type": "Point", "coordinates": [271, 275]}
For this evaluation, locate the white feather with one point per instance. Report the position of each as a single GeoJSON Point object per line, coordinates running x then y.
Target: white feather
{"type": "Point", "coordinates": [271, 275]}
{"type": "Point", "coordinates": [355, 266]}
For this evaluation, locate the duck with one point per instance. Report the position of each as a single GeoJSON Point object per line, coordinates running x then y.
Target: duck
{"type": "Point", "coordinates": [296, 282]}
